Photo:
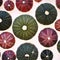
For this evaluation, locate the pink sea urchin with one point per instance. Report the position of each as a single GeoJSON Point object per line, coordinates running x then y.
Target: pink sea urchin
{"type": "Point", "coordinates": [7, 40]}
{"type": "Point", "coordinates": [48, 37]}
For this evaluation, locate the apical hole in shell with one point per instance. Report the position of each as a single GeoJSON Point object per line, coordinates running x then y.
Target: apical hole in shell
{"type": "Point", "coordinates": [27, 55]}
{"type": "Point", "coordinates": [46, 12]}
{"type": "Point", "coordinates": [24, 27]}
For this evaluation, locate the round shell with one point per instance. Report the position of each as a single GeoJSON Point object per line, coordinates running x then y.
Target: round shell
{"type": "Point", "coordinates": [58, 46]}
{"type": "Point", "coordinates": [46, 14]}
{"type": "Point", "coordinates": [27, 51]}
{"type": "Point", "coordinates": [25, 27]}
{"type": "Point", "coordinates": [5, 20]}
{"type": "Point", "coordinates": [7, 40]}
{"type": "Point", "coordinates": [58, 3]}
{"type": "Point", "coordinates": [9, 5]}
{"type": "Point", "coordinates": [48, 37]}
{"type": "Point", "coordinates": [9, 55]}
{"type": "Point", "coordinates": [46, 55]}
{"type": "Point", "coordinates": [57, 25]}
{"type": "Point", "coordinates": [24, 5]}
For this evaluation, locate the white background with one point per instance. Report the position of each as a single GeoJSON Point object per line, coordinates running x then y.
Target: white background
{"type": "Point", "coordinates": [15, 13]}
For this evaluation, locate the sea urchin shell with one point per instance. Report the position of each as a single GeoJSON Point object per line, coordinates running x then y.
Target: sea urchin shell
{"type": "Point", "coordinates": [8, 55]}
{"type": "Point", "coordinates": [9, 5]}
{"type": "Point", "coordinates": [58, 46]}
{"type": "Point", "coordinates": [27, 51]}
{"type": "Point", "coordinates": [46, 55]}
{"type": "Point", "coordinates": [57, 25]}
{"type": "Point", "coordinates": [48, 37]}
{"type": "Point", "coordinates": [7, 40]}
{"type": "Point", "coordinates": [46, 14]}
{"type": "Point", "coordinates": [58, 3]}
{"type": "Point", "coordinates": [24, 5]}
{"type": "Point", "coordinates": [5, 20]}
{"type": "Point", "coordinates": [25, 27]}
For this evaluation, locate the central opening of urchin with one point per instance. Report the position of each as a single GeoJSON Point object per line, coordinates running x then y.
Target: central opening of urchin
{"type": "Point", "coordinates": [24, 27]}
{"type": "Point", "coordinates": [49, 38]}
{"type": "Point", "coordinates": [27, 55]}
{"type": "Point", "coordinates": [23, 2]}
{"type": "Point", "coordinates": [8, 58]}
{"type": "Point", "coordinates": [46, 12]}
{"type": "Point", "coordinates": [4, 41]}
{"type": "Point", "coordinates": [0, 20]}
{"type": "Point", "coordinates": [8, 5]}
{"type": "Point", "coordinates": [47, 56]}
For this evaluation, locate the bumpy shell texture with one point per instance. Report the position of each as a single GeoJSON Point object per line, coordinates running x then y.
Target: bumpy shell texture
{"type": "Point", "coordinates": [6, 20]}
{"type": "Point", "coordinates": [29, 22]}
{"type": "Point", "coordinates": [46, 14]}
{"type": "Point", "coordinates": [27, 51]}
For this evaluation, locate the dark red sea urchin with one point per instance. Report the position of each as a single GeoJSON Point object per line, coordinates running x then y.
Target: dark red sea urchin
{"type": "Point", "coordinates": [58, 3]}
{"type": "Point", "coordinates": [24, 5]}
{"type": "Point", "coordinates": [9, 5]}
{"type": "Point", "coordinates": [48, 37]}
{"type": "Point", "coordinates": [37, 0]}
